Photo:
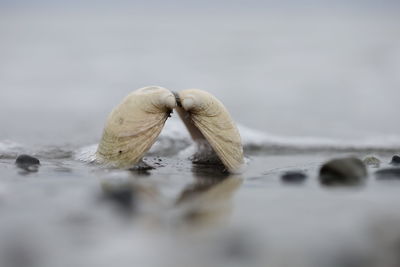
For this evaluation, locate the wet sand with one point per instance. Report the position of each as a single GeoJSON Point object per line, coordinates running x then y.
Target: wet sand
{"type": "Point", "coordinates": [70, 212]}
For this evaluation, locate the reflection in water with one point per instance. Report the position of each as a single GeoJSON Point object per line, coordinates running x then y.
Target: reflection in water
{"type": "Point", "coordinates": [205, 202]}
{"type": "Point", "coordinates": [132, 195]}
{"type": "Point", "coordinates": [208, 201]}
{"type": "Point", "coordinates": [121, 195]}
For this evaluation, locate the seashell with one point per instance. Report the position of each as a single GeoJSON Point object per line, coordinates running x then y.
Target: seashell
{"type": "Point", "coordinates": [133, 126]}
{"type": "Point", "coordinates": [208, 120]}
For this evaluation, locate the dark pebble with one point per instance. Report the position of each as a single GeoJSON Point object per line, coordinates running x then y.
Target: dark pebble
{"type": "Point", "coordinates": [27, 163]}
{"type": "Point", "coordinates": [343, 171]}
{"type": "Point", "coordinates": [26, 159]}
{"type": "Point", "coordinates": [395, 160]}
{"type": "Point", "coordinates": [293, 177]}
{"type": "Point", "coordinates": [389, 173]}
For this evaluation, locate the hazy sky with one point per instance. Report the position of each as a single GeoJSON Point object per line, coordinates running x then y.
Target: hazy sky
{"type": "Point", "coordinates": [246, 4]}
{"type": "Point", "coordinates": [336, 72]}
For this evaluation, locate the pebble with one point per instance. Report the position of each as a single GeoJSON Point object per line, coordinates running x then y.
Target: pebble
{"type": "Point", "coordinates": [343, 171]}
{"type": "Point", "coordinates": [388, 173]}
{"type": "Point", "coordinates": [395, 160]}
{"type": "Point", "coordinates": [372, 161]}
{"type": "Point", "coordinates": [293, 177]}
{"type": "Point", "coordinates": [27, 163]}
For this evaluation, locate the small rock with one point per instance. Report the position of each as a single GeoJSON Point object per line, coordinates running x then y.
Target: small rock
{"type": "Point", "coordinates": [395, 160]}
{"type": "Point", "coordinates": [343, 171]}
{"type": "Point", "coordinates": [26, 159]}
{"type": "Point", "coordinates": [27, 163]}
{"type": "Point", "coordinates": [372, 161]}
{"type": "Point", "coordinates": [389, 173]}
{"type": "Point", "coordinates": [293, 177]}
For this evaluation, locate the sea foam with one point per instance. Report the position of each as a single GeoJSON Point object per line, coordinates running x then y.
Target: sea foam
{"type": "Point", "coordinates": [175, 140]}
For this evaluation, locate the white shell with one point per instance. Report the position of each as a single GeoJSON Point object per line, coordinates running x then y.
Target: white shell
{"type": "Point", "coordinates": [133, 126]}
{"type": "Point", "coordinates": [213, 123]}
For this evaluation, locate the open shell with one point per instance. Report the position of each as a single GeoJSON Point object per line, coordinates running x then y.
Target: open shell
{"type": "Point", "coordinates": [207, 119]}
{"type": "Point", "coordinates": [133, 126]}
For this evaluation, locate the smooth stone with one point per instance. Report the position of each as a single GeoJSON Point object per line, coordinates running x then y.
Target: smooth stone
{"type": "Point", "coordinates": [395, 160]}
{"type": "Point", "coordinates": [26, 159]}
{"type": "Point", "coordinates": [343, 171]}
{"type": "Point", "coordinates": [372, 161]}
{"type": "Point", "coordinates": [293, 177]}
{"type": "Point", "coordinates": [389, 173]}
{"type": "Point", "coordinates": [27, 163]}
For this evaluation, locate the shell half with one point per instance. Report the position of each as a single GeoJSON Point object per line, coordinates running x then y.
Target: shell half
{"type": "Point", "coordinates": [207, 119]}
{"type": "Point", "coordinates": [133, 126]}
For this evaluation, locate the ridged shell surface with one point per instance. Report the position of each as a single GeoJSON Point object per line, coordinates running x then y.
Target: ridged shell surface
{"type": "Point", "coordinates": [133, 126]}
{"type": "Point", "coordinates": [212, 119]}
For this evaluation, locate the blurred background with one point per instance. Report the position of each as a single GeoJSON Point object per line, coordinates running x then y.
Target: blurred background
{"type": "Point", "coordinates": [290, 68]}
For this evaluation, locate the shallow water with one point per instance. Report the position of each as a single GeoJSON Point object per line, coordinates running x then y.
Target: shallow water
{"type": "Point", "coordinates": [304, 88]}
{"type": "Point", "coordinates": [73, 212]}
